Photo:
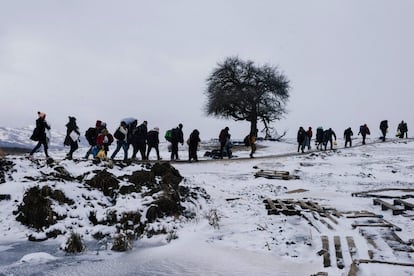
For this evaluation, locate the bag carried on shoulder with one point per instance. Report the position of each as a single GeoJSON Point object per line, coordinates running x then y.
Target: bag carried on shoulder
{"type": "Point", "coordinates": [74, 136]}
{"type": "Point", "coordinates": [35, 135]}
{"type": "Point", "coordinates": [119, 135]}
{"type": "Point", "coordinates": [101, 154]}
{"type": "Point", "coordinates": [168, 135]}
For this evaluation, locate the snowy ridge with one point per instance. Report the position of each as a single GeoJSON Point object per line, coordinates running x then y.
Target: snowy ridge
{"type": "Point", "coordinates": [232, 232]}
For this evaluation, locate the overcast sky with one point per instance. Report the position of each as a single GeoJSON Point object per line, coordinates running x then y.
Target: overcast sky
{"type": "Point", "coordinates": [348, 62]}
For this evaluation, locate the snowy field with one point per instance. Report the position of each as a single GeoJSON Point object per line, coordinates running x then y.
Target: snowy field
{"type": "Point", "coordinates": [232, 232]}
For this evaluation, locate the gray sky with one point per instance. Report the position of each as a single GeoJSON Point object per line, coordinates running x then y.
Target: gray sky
{"type": "Point", "coordinates": [349, 62]}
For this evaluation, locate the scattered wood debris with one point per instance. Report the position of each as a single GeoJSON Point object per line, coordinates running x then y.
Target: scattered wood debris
{"type": "Point", "coordinates": [272, 174]}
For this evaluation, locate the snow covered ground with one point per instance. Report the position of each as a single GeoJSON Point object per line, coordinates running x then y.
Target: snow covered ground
{"type": "Point", "coordinates": [232, 233]}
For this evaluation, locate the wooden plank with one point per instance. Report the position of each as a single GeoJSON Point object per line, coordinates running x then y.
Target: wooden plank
{"type": "Point", "coordinates": [304, 206]}
{"type": "Point", "coordinates": [407, 205]}
{"type": "Point", "coordinates": [5, 197]}
{"type": "Point", "coordinates": [272, 208]}
{"type": "Point", "coordinates": [338, 253]}
{"type": "Point", "coordinates": [351, 247]}
{"type": "Point", "coordinates": [364, 261]}
{"type": "Point", "coordinates": [310, 222]}
{"type": "Point", "coordinates": [326, 223]}
{"type": "Point", "coordinates": [288, 210]}
{"type": "Point", "coordinates": [326, 254]}
{"type": "Point", "coordinates": [385, 206]}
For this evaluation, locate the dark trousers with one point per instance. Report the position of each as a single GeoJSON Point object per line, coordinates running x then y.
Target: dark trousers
{"type": "Point", "coordinates": [73, 146]}
{"type": "Point", "coordinates": [363, 139]}
{"type": "Point", "coordinates": [141, 147]}
{"type": "Point", "coordinates": [384, 132]}
{"type": "Point", "coordinates": [192, 153]}
{"type": "Point", "coordinates": [174, 151]}
{"type": "Point", "coordinates": [348, 140]}
{"type": "Point", "coordinates": [42, 142]}
{"type": "Point", "coordinates": [156, 150]}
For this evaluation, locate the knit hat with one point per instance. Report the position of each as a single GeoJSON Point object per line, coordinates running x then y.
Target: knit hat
{"type": "Point", "coordinates": [156, 129]}
{"type": "Point", "coordinates": [41, 115]}
{"type": "Point", "coordinates": [98, 123]}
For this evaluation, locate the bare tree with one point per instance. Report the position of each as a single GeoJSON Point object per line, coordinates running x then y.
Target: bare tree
{"type": "Point", "coordinates": [242, 91]}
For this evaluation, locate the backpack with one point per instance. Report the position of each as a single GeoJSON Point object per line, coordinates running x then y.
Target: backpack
{"type": "Point", "coordinates": [119, 135]}
{"type": "Point", "coordinates": [90, 136]}
{"type": "Point", "coordinates": [246, 140]}
{"type": "Point", "coordinates": [110, 138]}
{"type": "Point", "coordinates": [168, 135]}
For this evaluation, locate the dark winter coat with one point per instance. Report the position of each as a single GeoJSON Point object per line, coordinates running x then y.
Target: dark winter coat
{"type": "Point", "coordinates": [140, 134]}
{"type": "Point", "coordinates": [301, 135]}
{"type": "Point", "coordinates": [177, 136]}
{"type": "Point", "coordinates": [348, 133]}
{"type": "Point", "coordinates": [224, 134]}
{"type": "Point", "coordinates": [384, 125]}
{"type": "Point", "coordinates": [319, 135]}
{"type": "Point", "coordinates": [71, 126]}
{"type": "Point", "coordinates": [364, 130]}
{"type": "Point", "coordinates": [194, 139]}
{"type": "Point", "coordinates": [39, 133]}
{"type": "Point", "coordinates": [327, 135]}
{"type": "Point", "coordinates": [152, 138]}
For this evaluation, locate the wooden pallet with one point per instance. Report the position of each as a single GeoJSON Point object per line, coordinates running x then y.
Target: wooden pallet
{"type": "Point", "coordinates": [387, 206]}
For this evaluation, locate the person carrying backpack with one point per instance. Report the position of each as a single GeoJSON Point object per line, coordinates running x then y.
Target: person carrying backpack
{"type": "Point", "coordinates": [319, 138]}
{"type": "Point", "coordinates": [72, 136]}
{"type": "Point", "coordinates": [364, 131]}
{"type": "Point", "coordinates": [402, 130]}
{"type": "Point", "coordinates": [153, 142]}
{"type": "Point", "coordinates": [39, 134]}
{"type": "Point", "coordinates": [91, 134]}
{"type": "Point", "coordinates": [347, 135]}
{"type": "Point", "coordinates": [121, 135]}
{"type": "Point", "coordinates": [177, 136]}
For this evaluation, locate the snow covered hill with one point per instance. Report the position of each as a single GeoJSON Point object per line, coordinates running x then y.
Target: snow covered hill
{"type": "Point", "coordinates": [243, 225]}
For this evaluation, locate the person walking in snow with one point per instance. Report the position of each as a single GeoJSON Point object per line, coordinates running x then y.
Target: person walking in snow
{"type": "Point", "coordinates": [364, 131]}
{"type": "Point", "coordinates": [153, 141]}
{"type": "Point", "coordinates": [39, 134]}
{"type": "Point", "coordinates": [301, 139]}
{"type": "Point", "coordinates": [193, 142]}
{"type": "Point", "coordinates": [309, 135]}
{"type": "Point", "coordinates": [121, 135]}
{"type": "Point", "coordinates": [252, 142]}
{"type": "Point", "coordinates": [72, 136]}
{"type": "Point", "coordinates": [224, 133]}
{"type": "Point", "coordinates": [91, 134]}
{"type": "Point", "coordinates": [327, 137]}
{"type": "Point", "coordinates": [139, 139]}
{"type": "Point", "coordinates": [402, 130]}
{"type": "Point", "coordinates": [319, 138]}
{"type": "Point", "coordinates": [384, 127]}
{"type": "Point", "coordinates": [177, 136]}
{"type": "Point", "coordinates": [348, 136]}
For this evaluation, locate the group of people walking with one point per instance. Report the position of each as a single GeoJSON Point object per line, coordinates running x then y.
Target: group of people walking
{"type": "Point", "coordinates": [323, 137]}
{"type": "Point", "coordinates": [128, 133]}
